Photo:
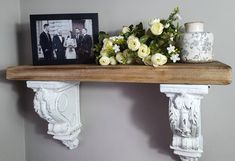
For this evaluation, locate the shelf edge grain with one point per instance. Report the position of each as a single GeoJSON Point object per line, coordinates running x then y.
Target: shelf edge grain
{"type": "Point", "coordinates": [207, 73]}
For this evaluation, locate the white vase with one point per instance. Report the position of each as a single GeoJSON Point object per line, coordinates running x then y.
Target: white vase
{"type": "Point", "coordinates": [196, 45]}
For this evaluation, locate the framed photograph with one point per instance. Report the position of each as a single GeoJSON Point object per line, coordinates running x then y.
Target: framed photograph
{"type": "Point", "coordinates": [63, 38]}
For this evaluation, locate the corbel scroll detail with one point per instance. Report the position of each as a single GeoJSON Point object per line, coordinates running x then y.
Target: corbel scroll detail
{"type": "Point", "coordinates": [58, 103]}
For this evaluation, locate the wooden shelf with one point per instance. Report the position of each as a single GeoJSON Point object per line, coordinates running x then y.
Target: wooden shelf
{"type": "Point", "coordinates": [179, 73]}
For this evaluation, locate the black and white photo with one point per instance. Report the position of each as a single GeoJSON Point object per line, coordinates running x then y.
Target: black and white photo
{"type": "Point", "coordinates": [63, 38]}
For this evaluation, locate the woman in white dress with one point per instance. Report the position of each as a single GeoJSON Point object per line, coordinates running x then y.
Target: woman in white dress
{"type": "Point", "coordinates": [70, 45]}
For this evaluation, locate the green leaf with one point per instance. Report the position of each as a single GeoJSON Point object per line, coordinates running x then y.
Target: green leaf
{"type": "Point", "coordinates": [102, 36]}
{"type": "Point", "coordinates": [139, 30]}
{"type": "Point", "coordinates": [131, 27]}
{"type": "Point", "coordinates": [160, 43]}
{"type": "Point", "coordinates": [140, 26]}
{"type": "Point", "coordinates": [126, 35]}
{"type": "Point", "coordinates": [153, 46]}
{"type": "Point", "coordinates": [144, 39]}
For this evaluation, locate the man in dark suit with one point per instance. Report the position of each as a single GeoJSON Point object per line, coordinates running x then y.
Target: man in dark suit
{"type": "Point", "coordinates": [58, 46]}
{"type": "Point", "coordinates": [78, 38]}
{"type": "Point", "coordinates": [85, 45]}
{"type": "Point", "coordinates": [46, 43]}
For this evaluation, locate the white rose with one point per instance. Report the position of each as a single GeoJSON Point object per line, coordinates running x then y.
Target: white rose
{"type": "Point", "coordinates": [104, 60]}
{"type": "Point", "coordinates": [143, 51]}
{"type": "Point", "coordinates": [157, 28]}
{"type": "Point", "coordinates": [125, 29]}
{"type": "Point", "coordinates": [158, 59]}
{"type": "Point", "coordinates": [147, 60]}
{"type": "Point", "coordinates": [120, 58]}
{"type": "Point", "coordinates": [113, 61]}
{"type": "Point", "coordinates": [133, 43]}
{"type": "Point", "coordinates": [105, 40]}
{"type": "Point", "coordinates": [108, 44]}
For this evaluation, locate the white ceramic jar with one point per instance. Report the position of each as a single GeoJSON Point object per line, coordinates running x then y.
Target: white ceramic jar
{"type": "Point", "coordinates": [196, 44]}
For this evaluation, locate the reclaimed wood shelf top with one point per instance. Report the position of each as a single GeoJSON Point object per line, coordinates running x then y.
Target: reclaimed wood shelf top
{"type": "Point", "coordinates": [178, 73]}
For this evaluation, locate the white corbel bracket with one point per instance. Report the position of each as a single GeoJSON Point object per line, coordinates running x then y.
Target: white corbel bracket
{"type": "Point", "coordinates": [185, 119]}
{"type": "Point", "coordinates": [58, 103]}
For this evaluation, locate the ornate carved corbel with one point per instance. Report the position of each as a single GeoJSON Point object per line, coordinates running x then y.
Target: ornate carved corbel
{"type": "Point", "coordinates": [58, 103]}
{"type": "Point", "coordinates": [185, 119]}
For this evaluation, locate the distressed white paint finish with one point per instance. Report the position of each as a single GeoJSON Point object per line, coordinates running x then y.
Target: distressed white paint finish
{"type": "Point", "coordinates": [58, 103]}
{"type": "Point", "coordinates": [185, 119]}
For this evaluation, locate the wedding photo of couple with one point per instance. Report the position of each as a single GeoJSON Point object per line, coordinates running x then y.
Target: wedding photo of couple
{"type": "Point", "coordinates": [59, 40]}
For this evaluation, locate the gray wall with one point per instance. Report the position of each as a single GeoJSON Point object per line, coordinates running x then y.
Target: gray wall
{"type": "Point", "coordinates": [12, 142]}
{"type": "Point", "coordinates": [129, 122]}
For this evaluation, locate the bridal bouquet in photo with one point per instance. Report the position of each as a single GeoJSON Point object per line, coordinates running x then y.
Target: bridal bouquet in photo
{"type": "Point", "coordinates": [134, 45]}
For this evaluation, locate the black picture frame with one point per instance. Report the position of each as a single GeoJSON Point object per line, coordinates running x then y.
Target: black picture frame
{"type": "Point", "coordinates": [78, 24]}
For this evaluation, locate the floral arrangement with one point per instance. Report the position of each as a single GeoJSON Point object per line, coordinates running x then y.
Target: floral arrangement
{"type": "Point", "coordinates": [135, 45]}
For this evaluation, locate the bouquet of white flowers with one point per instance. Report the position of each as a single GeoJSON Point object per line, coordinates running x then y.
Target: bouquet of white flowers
{"type": "Point", "coordinates": [135, 45]}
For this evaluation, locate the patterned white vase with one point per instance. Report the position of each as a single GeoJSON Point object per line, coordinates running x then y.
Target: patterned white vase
{"type": "Point", "coordinates": [196, 46]}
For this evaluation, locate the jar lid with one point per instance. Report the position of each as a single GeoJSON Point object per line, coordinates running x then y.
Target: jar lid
{"type": "Point", "coordinates": [197, 26]}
